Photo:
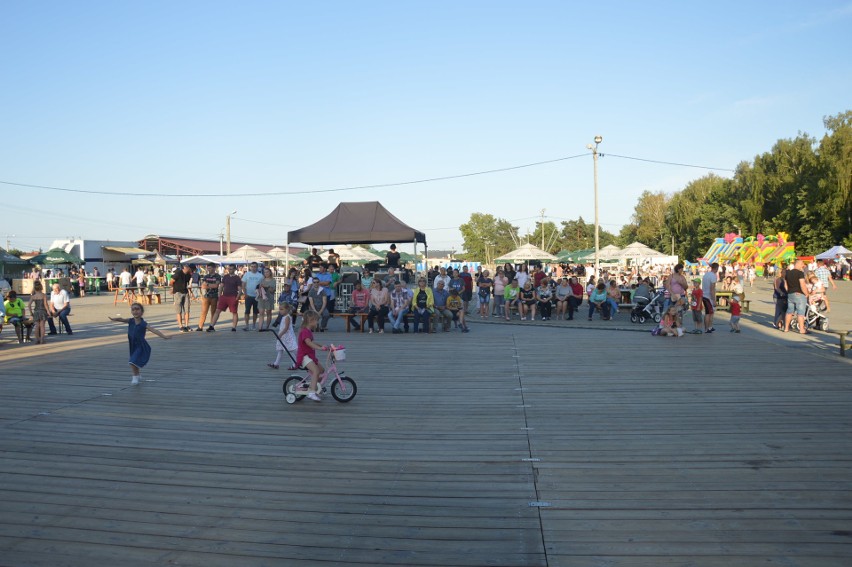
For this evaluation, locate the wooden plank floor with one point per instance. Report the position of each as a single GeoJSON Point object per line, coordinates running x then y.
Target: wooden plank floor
{"type": "Point", "coordinates": [714, 450]}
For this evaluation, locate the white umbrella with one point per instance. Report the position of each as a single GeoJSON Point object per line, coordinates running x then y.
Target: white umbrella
{"type": "Point", "coordinates": [526, 252]}
{"type": "Point", "coordinates": [247, 254]}
{"type": "Point", "coordinates": [278, 253]}
{"type": "Point", "coordinates": [353, 254]}
{"type": "Point", "coordinates": [639, 250]}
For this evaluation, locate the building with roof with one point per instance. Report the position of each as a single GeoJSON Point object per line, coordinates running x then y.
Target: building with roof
{"type": "Point", "coordinates": [180, 247]}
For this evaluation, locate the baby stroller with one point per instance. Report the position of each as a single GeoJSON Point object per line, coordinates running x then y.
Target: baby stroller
{"type": "Point", "coordinates": [814, 319]}
{"type": "Point", "coordinates": [648, 308]}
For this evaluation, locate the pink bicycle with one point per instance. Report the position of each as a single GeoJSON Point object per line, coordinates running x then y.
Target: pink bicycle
{"type": "Point", "coordinates": [343, 388]}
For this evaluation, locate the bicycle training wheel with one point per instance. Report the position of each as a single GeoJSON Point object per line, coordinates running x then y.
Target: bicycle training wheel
{"type": "Point", "coordinates": [291, 394]}
{"type": "Point", "coordinates": [344, 390]}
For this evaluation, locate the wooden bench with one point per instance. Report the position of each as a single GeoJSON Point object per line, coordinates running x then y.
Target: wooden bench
{"type": "Point", "coordinates": [348, 316]}
{"type": "Point", "coordinates": [843, 346]}
{"type": "Point", "coordinates": [150, 298]}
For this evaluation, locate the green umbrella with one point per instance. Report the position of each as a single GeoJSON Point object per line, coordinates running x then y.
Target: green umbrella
{"type": "Point", "coordinates": [56, 256]}
{"type": "Point", "coordinates": [6, 258]}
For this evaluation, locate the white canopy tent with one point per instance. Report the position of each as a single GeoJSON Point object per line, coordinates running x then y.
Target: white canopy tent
{"type": "Point", "coordinates": [833, 252]}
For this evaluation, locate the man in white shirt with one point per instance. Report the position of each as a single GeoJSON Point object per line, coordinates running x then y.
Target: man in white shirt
{"type": "Point", "coordinates": [60, 305]}
{"type": "Point", "coordinates": [125, 278]}
{"type": "Point", "coordinates": [441, 277]}
{"type": "Point", "coordinates": [251, 279]}
{"type": "Point", "coordinates": [139, 277]}
{"type": "Point", "coordinates": [708, 290]}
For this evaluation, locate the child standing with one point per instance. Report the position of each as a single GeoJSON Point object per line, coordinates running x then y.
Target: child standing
{"type": "Point", "coordinates": [695, 306]}
{"type": "Point", "coordinates": [40, 310]}
{"type": "Point", "coordinates": [140, 350]}
{"type": "Point", "coordinates": [735, 313]}
{"type": "Point", "coordinates": [306, 355]}
{"type": "Point", "coordinates": [286, 338]}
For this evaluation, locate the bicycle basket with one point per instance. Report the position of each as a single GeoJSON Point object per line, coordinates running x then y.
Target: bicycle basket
{"type": "Point", "coordinates": [339, 354]}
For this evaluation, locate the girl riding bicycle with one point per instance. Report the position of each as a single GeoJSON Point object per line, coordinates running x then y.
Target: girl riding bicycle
{"type": "Point", "coordinates": [306, 354]}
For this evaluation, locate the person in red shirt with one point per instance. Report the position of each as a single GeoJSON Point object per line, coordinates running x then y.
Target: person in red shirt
{"type": "Point", "coordinates": [696, 304]}
{"type": "Point", "coordinates": [229, 297]}
{"type": "Point", "coordinates": [306, 355]}
{"type": "Point", "coordinates": [735, 314]}
{"type": "Point", "coordinates": [576, 297]}
{"type": "Point", "coordinates": [360, 303]}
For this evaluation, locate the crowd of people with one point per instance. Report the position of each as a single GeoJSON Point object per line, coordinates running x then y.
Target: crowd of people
{"type": "Point", "coordinates": [442, 300]}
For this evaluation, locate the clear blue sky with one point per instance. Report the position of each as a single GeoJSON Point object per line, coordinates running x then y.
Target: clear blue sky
{"type": "Point", "coordinates": [199, 97]}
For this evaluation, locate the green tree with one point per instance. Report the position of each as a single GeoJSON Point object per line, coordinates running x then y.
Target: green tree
{"type": "Point", "coordinates": [710, 196]}
{"type": "Point", "coordinates": [547, 237]}
{"type": "Point", "coordinates": [835, 152]}
{"type": "Point", "coordinates": [649, 217]}
{"type": "Point", "coordinates": [486, 237]}
{"type": "Point", "coordinates": [580, 235]}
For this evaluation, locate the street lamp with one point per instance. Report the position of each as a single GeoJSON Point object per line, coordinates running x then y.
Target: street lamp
{"type": "Point", "coordinates": [228, 229]}
{"type": "Point", "coordinates": [598, 140]}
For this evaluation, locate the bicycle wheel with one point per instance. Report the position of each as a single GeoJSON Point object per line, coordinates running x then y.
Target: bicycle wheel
{"type": "Point", "coordinates": [291, 394]}
{"type": "Point", "coordinates": [344, 389]}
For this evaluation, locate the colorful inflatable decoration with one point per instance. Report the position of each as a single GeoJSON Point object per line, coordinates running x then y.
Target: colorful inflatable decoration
{"type": "Point", "coordinates": [760, 250]}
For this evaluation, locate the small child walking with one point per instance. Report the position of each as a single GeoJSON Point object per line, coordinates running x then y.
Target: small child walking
{"type": "Point", "coordinates": [140, 350]}
{"type": "Point", "coordinates": [735, 313]}
{"type": "Point", "coordinates": [306, 355]}
{"type": "Point", "coordinates": [286, 338]}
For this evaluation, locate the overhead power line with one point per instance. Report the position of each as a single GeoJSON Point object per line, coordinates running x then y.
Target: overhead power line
{"type": "Point", "coordinates": [352, 188]}
{"type": "Point", "coordinates": [301, 192]}
{"type": "Point", "coordinates": [668, 162]}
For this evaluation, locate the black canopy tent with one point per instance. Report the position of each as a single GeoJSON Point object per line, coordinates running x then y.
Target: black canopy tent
{"type": "Point", "coordinates": [357, 223]}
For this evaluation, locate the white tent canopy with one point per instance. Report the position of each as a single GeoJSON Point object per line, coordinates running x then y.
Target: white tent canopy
{"type": "Point", "coordinates": [832, 253]}
{"type": "Point", "coordinates": [526, 252]}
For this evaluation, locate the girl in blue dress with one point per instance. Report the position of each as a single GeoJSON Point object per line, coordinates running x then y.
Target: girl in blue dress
{"type": "Point", "coordinates": [140, 350]}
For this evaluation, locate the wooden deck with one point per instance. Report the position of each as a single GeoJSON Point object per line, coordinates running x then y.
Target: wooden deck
{"type": "Point", "coordinates": [511, 445]}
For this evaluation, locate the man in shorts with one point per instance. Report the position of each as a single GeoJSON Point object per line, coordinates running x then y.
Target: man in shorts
{"type": "Point", "coordinates": [180, 290]}
{"type": "Point", "coordinates": [708, 290]}
{"type": "Point", "coordinates": [797, 296]}
{"type": "Point", "coordinates": [209, 294]}
{"type": "Point", "coordinates": [229, 298]}
{"type": "Point", "coordinates": [251, 279]}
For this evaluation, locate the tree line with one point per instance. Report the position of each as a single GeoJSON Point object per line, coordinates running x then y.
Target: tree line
{"type": "Point", "coordinates": [802, 187]}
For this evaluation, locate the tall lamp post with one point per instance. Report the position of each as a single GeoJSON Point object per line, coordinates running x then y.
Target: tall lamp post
{"type": "Point", "coordinates": [598, 140]}
{"type": "Point", "coordinates": [228, 229]}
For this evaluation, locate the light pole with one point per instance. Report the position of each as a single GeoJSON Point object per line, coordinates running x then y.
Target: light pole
{"type": "Point", "coordinates": [222, 241]}
{"type": "Point", "coordinates": [228, 229]}
{"type": "Point", "coordinates": [598, 140]}
{"type": "Point", "coordinates": [9, 241]}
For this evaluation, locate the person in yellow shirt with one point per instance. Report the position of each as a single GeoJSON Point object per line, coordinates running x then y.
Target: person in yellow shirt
{"type": "Point", "coordinates": [456, 306]}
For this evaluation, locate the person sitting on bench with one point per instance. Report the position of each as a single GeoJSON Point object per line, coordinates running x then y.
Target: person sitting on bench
{"type": "Point", "coordinates": [15, 308]}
